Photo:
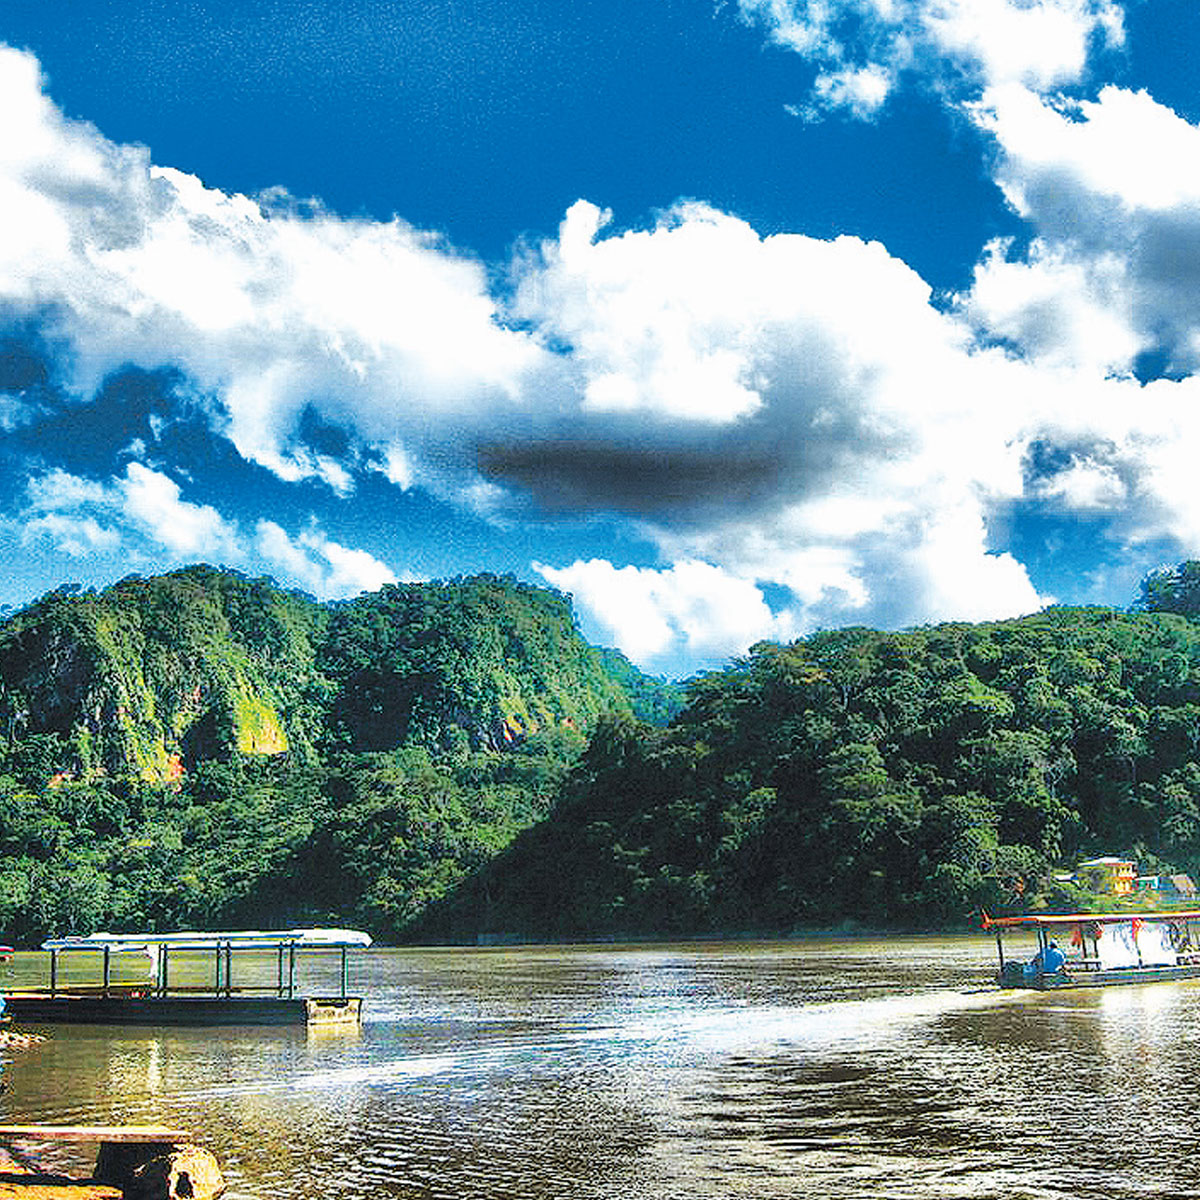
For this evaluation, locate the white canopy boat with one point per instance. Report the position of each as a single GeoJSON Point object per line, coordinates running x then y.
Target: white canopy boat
{"type": "Point", "coordinates": [218, 1000]}
{"type": "Point", "coordinates": [1101, 948]}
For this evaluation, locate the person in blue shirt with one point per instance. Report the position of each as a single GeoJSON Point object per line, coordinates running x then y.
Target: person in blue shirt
{"type": "Point", "coordinates": [1048, 961]}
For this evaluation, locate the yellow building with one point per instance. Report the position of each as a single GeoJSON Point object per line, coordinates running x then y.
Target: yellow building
{"type": "Point", "coordinates": [1116, 876]}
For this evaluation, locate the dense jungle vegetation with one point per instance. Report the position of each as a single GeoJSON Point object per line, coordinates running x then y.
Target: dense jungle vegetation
{"type": "Point", "coordinates": [891, 779]}
{"type": "Point", "coordinates": [452, 760]}
{"type": "Point", "coordinates": [203, 749]}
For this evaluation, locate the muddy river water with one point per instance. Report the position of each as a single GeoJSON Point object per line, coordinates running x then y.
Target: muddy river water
{"type": "Point", "coordinates": [824, 1067]}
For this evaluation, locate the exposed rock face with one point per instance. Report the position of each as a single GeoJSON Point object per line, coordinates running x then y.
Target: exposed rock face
{"type": "Point", "coordinates": [154, 1172]}
{"type": "Point", "coordinates": [153, 676]}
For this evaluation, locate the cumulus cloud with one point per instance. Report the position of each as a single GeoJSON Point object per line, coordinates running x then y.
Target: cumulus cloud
{"type": "Point", "coordinates": [862, 47]}
{"type": "Point", "coordinates": [152, 502]}
{"type": "Point", "coordinates": [71, 534]}
{"type": "Point", "coordinates": [719, 370]}
{"type": "Point", "coordinates": [67, 510]}
{"type": "Point", "coordinates": [1111, 189]}
{"type": "Point", "coordinates": [1041, 43]}
{"type": "Point", "coordinates": [270, 312]}
{"type": "Point", "coordinates": [319, 565]}
{"type": "Point", "coordinates": [821, 452]}
{"type": "Point", "coordinates": [142, 517]}
{"type": "Point", "coordinates": [693, 608]}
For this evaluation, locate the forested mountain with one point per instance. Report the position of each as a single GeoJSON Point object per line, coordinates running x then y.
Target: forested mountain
{"type": "Point", "coordinates": [153, 674]}
{"type": "Point", "coordinates": [203, 748]}
{"type": "Point", "coordinates": [451, 760]}
{"type": "Point", "coordinates": [481, 663]}
{"type": "Point", "coordinates": [890, 778]}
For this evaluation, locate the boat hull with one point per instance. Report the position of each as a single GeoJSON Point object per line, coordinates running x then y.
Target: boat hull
{"type": "Point", "coordinates": [1114, 976]}
{"type": "Point", "coordinates": [181, 1010]}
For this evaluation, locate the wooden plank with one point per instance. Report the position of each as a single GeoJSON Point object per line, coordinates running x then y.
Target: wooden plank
{"type": "Point", "coordinates": [98, 1133]}
{"type": "Point", "coordinates": [53, 1187]}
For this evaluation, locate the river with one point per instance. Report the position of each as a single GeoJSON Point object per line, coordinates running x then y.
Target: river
{"type": "Point", "coordinates": [823, 1067]}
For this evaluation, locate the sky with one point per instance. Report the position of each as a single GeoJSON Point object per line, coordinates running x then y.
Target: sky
{"type": "Point", "coordinates": [733, 319]}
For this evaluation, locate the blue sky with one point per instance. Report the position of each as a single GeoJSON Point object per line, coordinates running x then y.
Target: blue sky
{"type": "Point", "coordinates": [733, 318]}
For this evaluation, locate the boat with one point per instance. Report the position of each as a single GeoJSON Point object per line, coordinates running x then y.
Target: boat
{"type": "Point", "coordinates": [161, 999]}
{"type": "Point", "coordinates": [1101, 949]}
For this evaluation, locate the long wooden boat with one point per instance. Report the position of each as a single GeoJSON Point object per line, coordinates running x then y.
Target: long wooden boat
{"type": "Point", "coordinates": [218, 1000]}
{"type": "Point", "coordinates": [1101, 948]}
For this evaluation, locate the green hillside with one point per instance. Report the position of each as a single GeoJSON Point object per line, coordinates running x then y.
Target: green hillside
{"type": "Point", "coordinates": [479, 663]}
{"type": "Point", "coordinates": [891, 779]}
{"type": "Point", "coordinates": [207, 749]}
{"type": "Point", "coordinates": [452, 760]}
{"type": "Point", "coordinates": [155, 675]}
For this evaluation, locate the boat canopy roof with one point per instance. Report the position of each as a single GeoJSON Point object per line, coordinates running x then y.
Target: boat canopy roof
{"type": "Point", "coordinates": [244, 939]}
{"type": "Point", "coordinates": [1042, 920]}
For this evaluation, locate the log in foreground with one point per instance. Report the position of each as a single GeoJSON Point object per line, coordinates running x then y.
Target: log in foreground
{"type": "Point", "coordinates": [135, 1162]}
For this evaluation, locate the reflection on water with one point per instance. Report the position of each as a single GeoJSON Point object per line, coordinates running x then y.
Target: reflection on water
{"type": "Point", "coordinates": [818, 1068]}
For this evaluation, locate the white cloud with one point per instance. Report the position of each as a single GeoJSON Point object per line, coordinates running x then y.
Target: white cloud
{"type": "Point", "coordinates": [148, 503]}
{"type": "Point", "coordinates": [646, 316]}
{"type": "Point", "coordinates": [1085, 485]}
{"type": "Point", "coordinates": [372, 325]}
{"type": "Point", "coordinates": [1041, 43]}
{"type": "Point", "coordinates": [1111, 188]}
{"type": "Point", "coordinates": [693, 608]}
{"type": "Point", "coordinates": [697, 319]}
{"type": "Point", "coordinates": [397, 467]}
{"type": "Point", "coordinates": [862, 91]}
{"type": "Point", "coordinates": [75, 536]}
{"type": "Point", "coordinates": [861, 47]}
{"type": "Point", "coordinates": [142, 518]}
{"type": "Point", "coordinates": [321, 566]}
{"type": "Point", "coordinates": [957, 579]}
{"type": "Point", "coordinates": [58, 490]}
{"type": "Point", "coordinates": [1055, 308]}
{"type": "Point", "coordinates": [1123, 146]}
{"type": "Point", "coordinates": [831, 474]}
{"type": "Point", "coordinates": [153, 504]}
{"type": "Point", "coordinates": [1109, 284]}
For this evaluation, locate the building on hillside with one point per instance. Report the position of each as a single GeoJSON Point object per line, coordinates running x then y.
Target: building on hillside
{"type": "Point", "coordinates": [1113, 876]}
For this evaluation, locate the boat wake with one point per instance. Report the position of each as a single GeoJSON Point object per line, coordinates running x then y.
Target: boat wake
{"type": "Point", "coordinates": [668, 1034]}
{"type": "Point", "coordinates": [421, 1067]}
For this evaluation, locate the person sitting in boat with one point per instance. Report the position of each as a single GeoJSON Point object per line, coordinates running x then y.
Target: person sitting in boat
{"type": "Point", "coordinates": [1049, 960]}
